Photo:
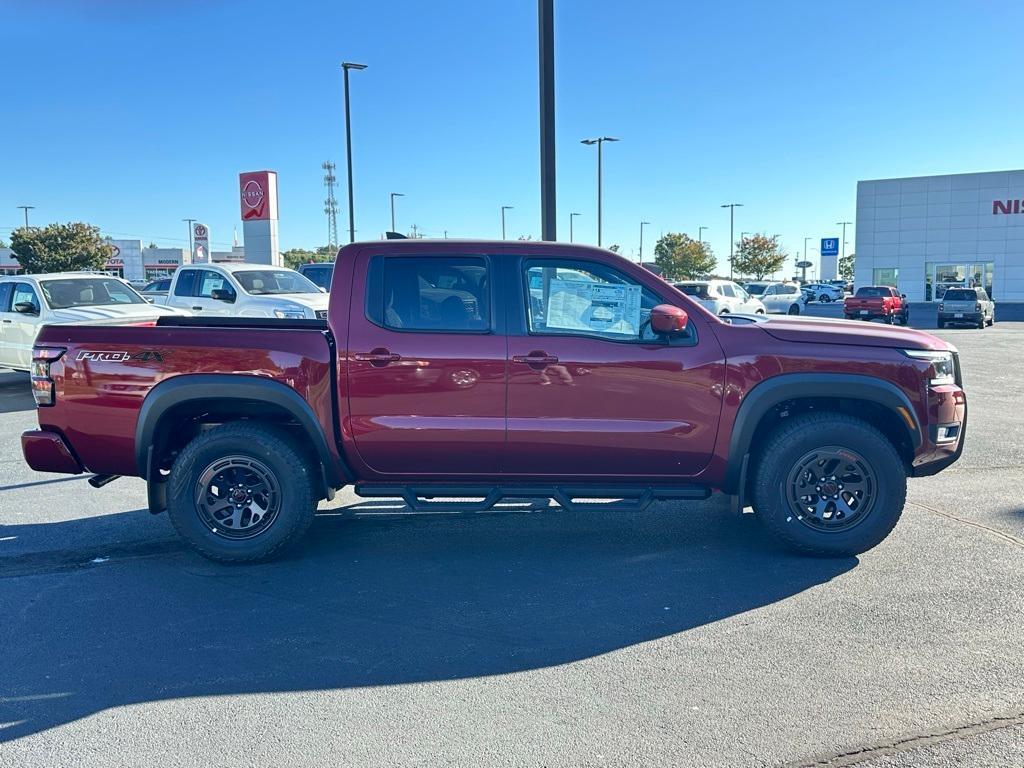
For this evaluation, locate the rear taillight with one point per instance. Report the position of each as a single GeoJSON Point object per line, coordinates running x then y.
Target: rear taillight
{"type": "Point", "coordinates": [42, 382]}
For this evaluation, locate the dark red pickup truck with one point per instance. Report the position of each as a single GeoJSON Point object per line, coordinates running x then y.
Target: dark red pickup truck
{"type": "Point", "coordinates": [877, 302]}
{"type": "Point", "coordinates": [496, 371]}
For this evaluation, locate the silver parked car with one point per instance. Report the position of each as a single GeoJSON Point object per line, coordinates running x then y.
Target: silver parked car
{"type": "Point", "coordinates": [966, 306]}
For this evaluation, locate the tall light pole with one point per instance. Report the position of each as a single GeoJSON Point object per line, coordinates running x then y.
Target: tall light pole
{"type": "Point", "coordinates": [700, 234]}
{"type": "Point", "coordinates": [732, 217]}
{"type": "Point", "coordinates": [642, 225]}
{"type": "Point", "coordinates": [843, 225]}
{"type": "Point", "coordinates": [393, 196]}
{"type": "Point", "coordinates": [26, 209]}
{"type": "Point", "coordinates": [503, 209]}
{"type": "Point", "coordinates": [570, 225]}
{"type": "Point", "coordinates": [599, 141]}
{"type": "Point", "coordinates": [546, 69]}
{"type": "Point", "coordinates": [191, 248]}
{"type": "Point", "coordinates": [345, 67]}
{"type": "Point", "coordinates": [803, 276]}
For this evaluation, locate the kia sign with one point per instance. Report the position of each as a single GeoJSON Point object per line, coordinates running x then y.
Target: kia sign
{"type": "Point", "coordinates": [830, 246]}
{"type": "Point", "coordinates": [257, 192]}
{"type": "Point", "coordinates": [200, 242]}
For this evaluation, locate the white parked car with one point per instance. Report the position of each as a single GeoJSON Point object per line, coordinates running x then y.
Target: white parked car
{"type": "Point", "coordinates": [722, 297]}
{"type": "Point", "coordinates": [28, 302]}
{"type": "Point", "coordinates": [782, 298]}
{"type": "Point", "coordinates": [824, 292]}
{"type": "Point", "coordinates": [246, 290]}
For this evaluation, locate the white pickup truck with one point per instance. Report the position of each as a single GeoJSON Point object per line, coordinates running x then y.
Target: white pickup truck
{"type": "Point", "coordinates": [28, 302]}
{"type": "Point", "coordinates": [244, 290]}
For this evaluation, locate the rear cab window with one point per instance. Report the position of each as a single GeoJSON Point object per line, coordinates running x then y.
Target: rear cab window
{"type": "Point", "coordinates": [960, 294]}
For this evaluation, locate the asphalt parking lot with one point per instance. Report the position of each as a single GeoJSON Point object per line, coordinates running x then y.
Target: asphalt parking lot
{"type": "Point", "coordinates": [677, 636]}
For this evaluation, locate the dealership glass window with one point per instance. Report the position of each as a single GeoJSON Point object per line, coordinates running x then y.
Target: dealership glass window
{"type": "Point", "coordinates": [940, 277]}
{"type": "Point", "coordinates": [886, 276]}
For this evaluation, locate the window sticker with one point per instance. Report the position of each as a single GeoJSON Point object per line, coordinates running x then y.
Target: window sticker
{"type": "Point", "coordinates": [587, 306]}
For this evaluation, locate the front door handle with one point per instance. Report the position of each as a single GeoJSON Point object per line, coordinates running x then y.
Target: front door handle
{"type": "Point", "coordinates": [378, 357]}
{"type": "Point", "coordinates": [535, 358]}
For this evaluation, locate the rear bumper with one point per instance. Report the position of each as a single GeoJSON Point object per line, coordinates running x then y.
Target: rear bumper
{"type": "Point", "coordinates": [965, 317]}
{"type": "Point", "coordinates": [46, 451]}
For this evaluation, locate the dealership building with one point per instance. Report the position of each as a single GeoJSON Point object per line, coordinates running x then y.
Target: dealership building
{"type": "Point", "coordinates": [926, 234]}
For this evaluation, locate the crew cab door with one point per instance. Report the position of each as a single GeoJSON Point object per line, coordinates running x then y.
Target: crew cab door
{"type": "Point", "coordinates": [425, 364]}
{"type": "Point", "coordinates": [592, 391]}
{"type": "Point", "coordinates": [18, 330]}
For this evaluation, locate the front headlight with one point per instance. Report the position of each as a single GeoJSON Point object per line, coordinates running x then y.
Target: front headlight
{"type": "Point", "coordinates": [289, 313]}
{"type": "Point", "coordinates": [942, 365]}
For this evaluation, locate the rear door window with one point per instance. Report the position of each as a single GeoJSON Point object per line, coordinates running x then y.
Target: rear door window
{"type": "Point", "coordinates": [443, 294]}
{"type": "Point", "coordinates": [186, 283]}
{"type": "Point", "coordinates": [5, 297]}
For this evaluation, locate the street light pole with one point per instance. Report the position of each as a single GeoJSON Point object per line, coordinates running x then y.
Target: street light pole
{"type": "Point", "coordinates": [642, 225]}
{"type": "Point", "coordinates": [345, 67]}
{"type": "Point", "coordinates": [393, 196]}
{"type": "Point", "coordinates": [570, 225]}
{"type": "Point", "coordinates": [503, 209]}
{"type": "Point", "coordinates": [732, 217]}
{"type": "Point", "coordinates": [803, 270]}
{"type": "Point", "coordinates": [26, 209]}
{"type": "Point", "coordinates": [843, 225]}
{"type": "Point", "coordinates": [700, 234]}
{"type": "Point", "coordinates": [191, 247]}
{"type": "Point", "coordinates": [599, 141]}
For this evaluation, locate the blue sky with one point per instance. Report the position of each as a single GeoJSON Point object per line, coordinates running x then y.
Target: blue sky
{"type": "Point", "coordinates": [134, 115]}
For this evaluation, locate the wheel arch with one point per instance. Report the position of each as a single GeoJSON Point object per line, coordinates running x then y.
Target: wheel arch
{"type": "Point", "coordinates": [878, 402]}
{"type": "Point", "coordinates": [221, 398]}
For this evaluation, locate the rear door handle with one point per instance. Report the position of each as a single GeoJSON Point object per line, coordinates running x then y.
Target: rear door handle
{"type": "Point", "coordinates": [535, 358]}
{"type": "Point", "coordinates": [379, 357]}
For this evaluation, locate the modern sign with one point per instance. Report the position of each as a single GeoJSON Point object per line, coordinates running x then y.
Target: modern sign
{"type": "Point", "coordinates": [830, 246]}
{"type": "Point", "coordinates": [200, 242]}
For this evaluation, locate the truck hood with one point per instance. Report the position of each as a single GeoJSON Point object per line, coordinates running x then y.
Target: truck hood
{"type": "Point", "coordinates": [313, 301]}
{"type": "Point", "coordinates": [110, 314]}
{"type": "Point", "coordinates": [821, 330]}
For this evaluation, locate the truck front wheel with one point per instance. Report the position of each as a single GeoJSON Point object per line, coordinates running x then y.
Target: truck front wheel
{"type": "Point", "coordinates": [829, 484]}
{"type": "Point", "coordinates": [241, 492]}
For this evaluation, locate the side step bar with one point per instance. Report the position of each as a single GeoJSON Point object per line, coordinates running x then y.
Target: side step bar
{"type": "Point", "coordinates": [574, 498]}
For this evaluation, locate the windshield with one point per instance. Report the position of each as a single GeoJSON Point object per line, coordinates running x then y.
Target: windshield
{"type": "Point", "coordinates": [959, 294]}
{"type": "Point", "coordinates": [263, 282]}
{"type": "Point", "coordinates": [321, 276]}
{"type": "Point", "coordinates": [88, 292]}
{"type": "Point", "coordinates": [873, 292]}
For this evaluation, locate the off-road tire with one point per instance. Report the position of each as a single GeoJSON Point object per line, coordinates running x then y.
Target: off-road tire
{"type": "Point", "coordinates": [783, 450]}
{"type": "Point", "coordinates": [277, 452]}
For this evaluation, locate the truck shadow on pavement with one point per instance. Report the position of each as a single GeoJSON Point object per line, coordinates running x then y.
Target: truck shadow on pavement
{"type": "Point", "coordinates": [379, 602]}
{"type": "Point", "coordinates": [15, 394]}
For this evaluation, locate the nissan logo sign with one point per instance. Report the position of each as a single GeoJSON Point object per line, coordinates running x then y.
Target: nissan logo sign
{"type": "Point", "coordinates": [252, 194]}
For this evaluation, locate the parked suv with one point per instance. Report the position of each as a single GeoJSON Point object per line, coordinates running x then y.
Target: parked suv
{"type": "Point", "coordinates": [966, 306]}
{"type": "Point", "coordinates": [319, 273]}
{"type": "Point", "coordinates": [722, 297]}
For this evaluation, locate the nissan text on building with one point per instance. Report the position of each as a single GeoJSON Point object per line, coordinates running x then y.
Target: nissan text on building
{"type": "Point", "coordinates": [927, 234]}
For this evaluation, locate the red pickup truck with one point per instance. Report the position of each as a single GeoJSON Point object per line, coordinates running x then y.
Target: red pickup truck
{"type": "Point", "coordinates": [877, 301]}
{"type": "Point", "coordinates": [491, 371]}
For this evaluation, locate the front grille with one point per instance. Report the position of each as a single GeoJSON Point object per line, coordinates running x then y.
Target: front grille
{"type": "Point", "coordinates": [321, 314]}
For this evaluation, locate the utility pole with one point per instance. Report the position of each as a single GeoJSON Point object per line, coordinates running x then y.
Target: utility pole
{"type": "Point", "coordinates": [732, 215]}
{"type": "Point", "coordinates": [393, 196]}
{"type": "Point", "coordinates": [599, 141]}
{"type": "Point", "coordinates": [546, 50]}
{"type": "Point", "coordinates": [642, 225]}
{"type": "Point", "coordinates": [190, 246]}
{"type": "Point", "coordinates": [345, 67]}
{"type": "Point", "coordinates": [503, 209]}
{"type": "Point", "coordinates": [330, 204]}
{"type": "Point", "coordinates": [570, 225]}
{"type": "Point", "coordinates": [26, 209]}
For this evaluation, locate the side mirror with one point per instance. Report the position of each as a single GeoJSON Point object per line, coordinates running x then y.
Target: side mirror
{"type": "Point", "coordinates": [220, 294]}
{"type": "Point", "coordinates": [668, 320]}
{"type": "Point", "coordinates": [26, 308]}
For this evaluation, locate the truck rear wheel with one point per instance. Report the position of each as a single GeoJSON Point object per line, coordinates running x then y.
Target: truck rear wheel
{"type": "Point", "coordinates": [829, 484]}
{"type": "Point", "coordinates": [241, 492]}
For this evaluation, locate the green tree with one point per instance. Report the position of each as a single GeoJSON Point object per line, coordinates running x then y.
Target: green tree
{"type": "Point", "coordinates": [758, 256]}
{"type": "Point", "coordinates": [846, 265]}
{"type": "Point", "coordinates": [60, 248]}
{"type": "Point", "coordinates": [295, 257]}
{"type": "Point", "coordinates": [681, 257]}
